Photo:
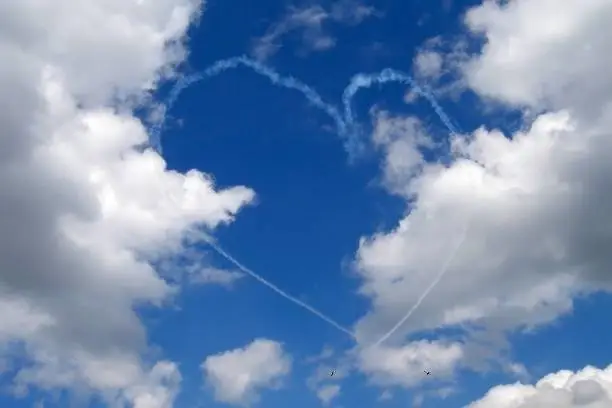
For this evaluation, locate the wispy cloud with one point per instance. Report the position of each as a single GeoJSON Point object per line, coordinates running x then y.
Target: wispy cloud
{"type": "Point", "coordinates": [327, 393]}
{"type": "Point", "coordinates": [310, 22]}
{"type": "Point", "coordinates": [238, 376]}
{"type": "Point", "coordinates": [325, 387]}
{"type": "Point", "coordinates": [210, 275]}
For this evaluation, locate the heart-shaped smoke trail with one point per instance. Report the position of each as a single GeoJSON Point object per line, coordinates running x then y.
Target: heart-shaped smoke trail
{"type": "Point", "coordinates": [347, 128]}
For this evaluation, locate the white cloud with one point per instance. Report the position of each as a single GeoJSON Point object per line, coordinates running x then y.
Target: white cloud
{"type": "Point", "coordinates": [543, 53]}
{"type": "Point", "coordinates": [237, 376]}
{"type": "Point", "coordinates": [208, 275]}
{"type": "Point", "coordinates": [159, 388]}
{"type": "Point", "coordinates": [85, 210]}
{"type": "Point", "coordinates": [402, 140]}
{"type": "Point", "coordinates": [517, 370]}
{"type": "Point", "coordinates": [428, 64]}
{"type": "Point", "coordinates": [534, 203]}
{"type": "Point", "coordinates": [327, 387]}
{"type": "Point", "coordinates": [310, 22]}
{"type": "Point", "coordinates": [411, 96]}
{"type": "Point", "coordinates": [405, 365]}
{"type": "Point", "coordinates": [328, 393]}
{"type": "Point", "coordinates": [589, 387]}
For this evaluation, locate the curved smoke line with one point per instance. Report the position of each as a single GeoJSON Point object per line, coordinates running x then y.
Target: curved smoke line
{"type": "Point", "coordinates": [347, 128]}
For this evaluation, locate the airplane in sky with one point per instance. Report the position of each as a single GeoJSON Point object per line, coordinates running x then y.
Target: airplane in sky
{"type": "Point", "coordinates": [427, 372]}
{"type": "Point", "coordinates": [332, 372]}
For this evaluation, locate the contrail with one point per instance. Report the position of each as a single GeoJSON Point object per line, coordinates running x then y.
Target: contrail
{"type": "Point", "coordinates": [426, 293]}
{"type": "Point", "coordinates": [277, 79]}
{"type": "Point", "coordinates": [347, 129]}
{"type": "Point", "coordinates": [390, 75]}
{"type": "Point", "coordinates": [346, 124]}
{"type": "Point", "coordinates": [276, 289]}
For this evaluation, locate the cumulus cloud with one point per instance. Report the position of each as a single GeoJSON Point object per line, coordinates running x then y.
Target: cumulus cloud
{"type": "Point", "coordinates": [403, 141]}
{"type": "Point", "coordinates": [534, 203]}
{"type": "Point", "coordinates": [86, 209]}
{"type": "Point", "coordinates": [311, 23]}
{"type": "Point", "coordinates": [550, 55]}
{"type": "Point", "coordinates": [238, 376]}
{"type": "Point", "coordinates": [589, 387]}
{"type": "Point", "coordinates": [405, 365]}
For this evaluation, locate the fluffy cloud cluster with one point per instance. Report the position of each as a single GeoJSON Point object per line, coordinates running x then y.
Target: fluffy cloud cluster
{"type": "Point", "coordinates": [85, 207]}
{"type": "Point", "coordinates": [405, 365]}
{"type": "Point", "coordinates": [589, 387]}
{"type": "Point", "coordinates": [237, 376]}
{"type": "Point", "coordinates": [550, 55]}
{"type": "Point", "coordinates": [527, 211]}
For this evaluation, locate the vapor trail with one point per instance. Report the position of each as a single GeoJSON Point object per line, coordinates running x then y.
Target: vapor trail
{"type": "Point", "coordinates": [389, 75]}
{"type": "Point", "coordinates": [347, 129]}
{"type": "Point", "coordinates": [426, 293]}
{"type": "Point", "coordinates": [276, 289]}
{"type": "Point", "coordinates": [346, 124]}
{"type": "Point", "coordinates": [275, 78]}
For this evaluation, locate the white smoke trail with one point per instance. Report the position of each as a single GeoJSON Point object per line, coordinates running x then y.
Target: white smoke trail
{"type": "Point", "coordinates": [347, 129]}
{"type": "Point", "coordinates": [426, 293]}
{"type": "Point", "coordinates": [275, 78]}
{"type": "Point", "coordinates": [346, 125]}
{"type": "Point", "coordinates": [361, 80]}
{"type": "Point", "coordinates": [276, 289]}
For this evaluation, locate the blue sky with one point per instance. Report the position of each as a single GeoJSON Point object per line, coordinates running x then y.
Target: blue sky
{"type": "Point", "coordinates": [313, 206]}
{"type": "Point", "coordinates": [507, 218]}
